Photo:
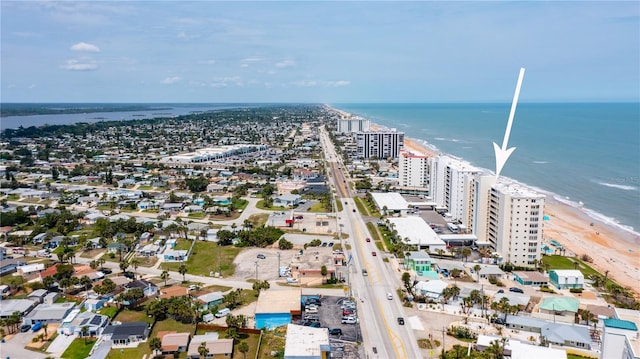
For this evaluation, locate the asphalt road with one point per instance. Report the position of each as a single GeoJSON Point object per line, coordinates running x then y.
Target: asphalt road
{"type": "Point", "coordinates": [377, 314]}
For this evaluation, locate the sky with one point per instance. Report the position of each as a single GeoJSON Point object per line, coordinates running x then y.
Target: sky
{"type": "Point", "coordinates": [320, 52]}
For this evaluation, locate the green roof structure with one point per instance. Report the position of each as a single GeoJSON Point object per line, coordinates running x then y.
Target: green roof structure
{"type": "Point", "coordinates": [562, 304]}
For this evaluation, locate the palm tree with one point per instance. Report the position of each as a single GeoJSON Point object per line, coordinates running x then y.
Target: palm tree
{"type": "Point", "coordinates": [86, 282]}
{"type": "Point", "coordinates": [48, 281]}
{"type": "Point", "coordinates": [323, 273]}
{"type": "Point", "coordinates": [466, 252]}
{"type": "Point", "coordinates": [164, 276]}
{"type": "Point", "coordinates": [203, 350]}
{"type": "Point", "coordinates": [45, 326]}
{"type": "Point", "coordinates": [476, 268]}
{"type": "Point", "coordinates": [84, 331]}
{"type": "Point", "coordinates": [124, 265]}
{"type": "Point", "coordinates": [135, 262]}
{"type": "Point", "coordinates": [155, 344]}
{"type": "Point", "coordinates": [183, 270]}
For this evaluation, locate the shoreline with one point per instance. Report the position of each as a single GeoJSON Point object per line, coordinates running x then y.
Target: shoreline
{"type": "Point", "coordinates": [581, 231]}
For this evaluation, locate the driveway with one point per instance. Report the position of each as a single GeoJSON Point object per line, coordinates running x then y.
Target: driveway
{"type": "Point", "coordinates": [60, 344]}
{"type": "Point", "coordinates": [14, 347]}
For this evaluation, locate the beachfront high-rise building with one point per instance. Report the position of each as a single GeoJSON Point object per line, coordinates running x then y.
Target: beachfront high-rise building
{"type": "Point", "coordinates": [479, 224]}
{"type": "Point", "coordinates": [413, 170]}
{"type": "Point", "coordinates": [379, 144]}
{"type": "Point", "coordinates": [515, 223]}
{"type": "Point", "coordinates": [451, 181]}
{"type": "Point", "coordinates": [353, 124]}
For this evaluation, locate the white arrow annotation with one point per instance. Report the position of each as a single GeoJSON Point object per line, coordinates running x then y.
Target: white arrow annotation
{"type": "Point", "coordinates": [502, 153]}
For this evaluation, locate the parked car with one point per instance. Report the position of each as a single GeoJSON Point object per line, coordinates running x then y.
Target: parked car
{"type": "Point", "coordinates": [25, 328]}
{"type": "Point", "coordinates": [501, 291]}
{"type": "Point", "coordinates": [498, 321]}
{"type": "Point", "coordinates": [516, 290]}
{"type": "Point", "coordinates": [261, 256]}
{"type": "Point", "coordinates": [335, 331]}
{"type": "Point", "coordinates": [106, 271]}
{"type": "Point", "coordinates": [129, 275]}
{"type": "Point", "coordinates": [401, 320]}
{"type": "Point", "coordinates": [348, 320]}
{"type": "Point", "coordinates": [315, 301]}
{"type": "Point", "coordinates": [36, 326]}
{"type": "Point", "coordinates": [222, 312]}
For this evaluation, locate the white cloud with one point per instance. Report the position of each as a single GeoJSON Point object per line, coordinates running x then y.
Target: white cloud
{"type": "Point", "coordinates": [171, 80]}
{"type": "Point", "coordinates": [247, 61]}
{"type": "Point", "coordinates": [32, 86]}
{"type": "Point", "coordinates": [83, 46]}
{"type": "Point", "coordinates": [207, 62]}
{"type": "Point", "coordinates": [79, 65]}
{"type": "Point", "coordinates": [338, 83]}
{"type": "Point", "coordinates": [321, 83]}
{"type": "Point", "coordinates": [285, 63]}
{"type": "Point", "coordinates": [184, 36]}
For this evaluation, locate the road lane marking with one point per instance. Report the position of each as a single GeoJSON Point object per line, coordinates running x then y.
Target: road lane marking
{"type": "Point", "coordinates": [392, 335]}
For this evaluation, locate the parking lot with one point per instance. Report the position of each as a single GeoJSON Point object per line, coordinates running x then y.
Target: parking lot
{"type": "Point", "coordinates": [329, 315]}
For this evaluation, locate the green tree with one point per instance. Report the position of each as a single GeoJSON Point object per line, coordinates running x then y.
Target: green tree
{"type": "Point", "coordinates": [84, 331]}
{"type": "Point", "coordinates": [135, 263]}
{"type": "Point", "coordinates": [155, 345]}
{"type": "Point", "coordinates": [48, 281]}
{"type": "Point", "coordinates": [164, 276]}
{"type": "Point", "coordinates": [124, 265]}
{"type": "Point", "coordinates": [466, 252]}
{"type": "Point", "coordinates": [203, 350]}
{"type": "Point", "coordinates": [406, 280]}
{"type": "Point", "coordinates": [243, 348]}
{"type": "Point", "coordinates": [183, 270]}
{"type": "Point", "coordinates": [323, 272]}
{"type": "Point", "coordinates": [85, 281]}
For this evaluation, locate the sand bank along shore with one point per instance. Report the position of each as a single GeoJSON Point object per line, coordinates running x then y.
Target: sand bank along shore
{"type": "Point", "coordinates": [612, 248]}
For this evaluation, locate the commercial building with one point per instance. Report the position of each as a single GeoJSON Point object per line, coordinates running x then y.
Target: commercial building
{"type": "Point", "coordinates": [515, 224]}
{"type": "Point", "coordinates": [379, 144]}
{"type": "Point", "coordinates": [213, 153]}
{"type": "Point", "coordinates": [620, 335]}
{"type": "Point", "coordinates": [306, 342]}
{"type": "Point", "coordinates": [417, 233]}
{"type": "Point", "coordinates": [276, 308]}
{"type": "Point", "coordinates": [353, 124]}
{"type": "Point", "coordinates": [413, 170]}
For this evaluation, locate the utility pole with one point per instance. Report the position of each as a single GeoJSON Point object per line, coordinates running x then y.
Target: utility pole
{"type": "Point", "coordinates": [278, 264]}
{"type": "Point", "coordinates": [256, 271]}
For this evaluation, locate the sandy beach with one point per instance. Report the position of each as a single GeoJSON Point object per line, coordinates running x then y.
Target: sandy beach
{"type": "Point", "coordinates": [611, 248]}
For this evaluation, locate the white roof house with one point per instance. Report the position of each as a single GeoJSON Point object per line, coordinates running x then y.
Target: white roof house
{"type": "Point", "coordinates": [431, 289]}
{"type": "Point", "coordinates": [418, 232]}
{"type": "Point", "coordinates": [519, 350]}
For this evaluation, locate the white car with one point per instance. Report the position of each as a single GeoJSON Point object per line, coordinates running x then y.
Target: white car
{"type": "Point", "coordinates": [349, 320]}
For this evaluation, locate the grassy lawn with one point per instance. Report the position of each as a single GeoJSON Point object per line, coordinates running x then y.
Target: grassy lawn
{"type": "Point", "coordinates": [561, 262]}
{"type": "Point", "coordinates": [145, 188]}
{"type": "Point", "coordinates": [272, 341]}
{"type": "Point", "coordinates": [92, 253]}
{"type": "Point", "coordinates": [182, 243]}
{"type": "Point", "coordinates": [109, 311]}
{"type": "Point", "coordinates": [362, 208]}
{"type": "Point", "coordinates": [208, 257]}
{"type": "Point", "coordinates": [260, 205]}
{"type": "Point", "coordinates": [317, 208]}
{"type": "Point", "coordinates": [241, 204]}
{"type": "Point", "coordinates": [338, 204]}
{"type": "Point", "coordinates": [147, 261]}
{"type": "Point", "coordinates": [127, 315]}
{"type": "Point", "coordinates": [258, 219]}
{"type": "Point", "coordinates": [199, 215]}
{"type": "Point", "coordinates": [143, 349]}
{"type": "Point", "coordinates": [79, 349]}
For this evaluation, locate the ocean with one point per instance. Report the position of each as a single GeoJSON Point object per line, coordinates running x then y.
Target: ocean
{"type": "Point", "coordinates": [583, 154]}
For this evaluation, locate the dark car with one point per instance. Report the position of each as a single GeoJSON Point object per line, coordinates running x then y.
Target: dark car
{"type": "Point", "coordinates": [354, 210]}
{"type": "Point", "coordinates": [106, 271]}
{"type": "Point", "coordinates": [498, 321]}
{"type": "Point", "coordinates": [130, 275]}
{"type": "Point", "coordinates": [501, 291]}
{"type": "Point", "coordinates": [25, 328]}
{"type": "Point", "coordinates": [401, 320]}
{"type": "Point", "coordinates": [368, 239]}
{"type": "Point", "coordinates": [335, 331]}
{"type": "Point", "coordinates": [373, 254]}
{"type": "Point", "coordinates": [261, 256]}
{"type": "Point", "coordinates": [315, 301]}
{"type": "Point", "coordinates": [516, 290]}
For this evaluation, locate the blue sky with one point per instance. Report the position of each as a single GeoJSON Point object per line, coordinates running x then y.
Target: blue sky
{"type": "Point", "coordinates": [330, 52]}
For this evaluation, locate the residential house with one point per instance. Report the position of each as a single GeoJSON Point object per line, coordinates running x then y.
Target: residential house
{"type": "Point", "coordinates": [116, 247]}
{"type": "Point", "coordinates": [149, 250]}
{"type": "Point", "coordinates": [193, 209]}
{"type": "Point", "coordinates": [515, 349]}
{"type": "Point", "coordinates": [561, 334]}
{"type": "Point", "coordinates": [564, 306]}
{"type": "Point", "coordinates": [533, 278]}
{"type": "Point", "coordinates": [126, 333]}
{"type": "Point", "coordinates": [30, 269]}
{"type": "Point", "coordinates": [94, 243]}
{"type": "Point", "coordinates": [172, 255]}
{"type": "Point", "coordinates": [73, 324]}
{"type": "Point", "coordinates": [49, 313]}
{"type": "Point", "coordinates": [431, 289]}
{"type": "Point", "coordinates": [173, 342]}
{"type": "Point", "coordinates": [287, 200]}
{"type": "Point", "coordinates": [419, 262]}
{"type": "Point", "coordinates": [94, 304]}
{"type": "Point", "coordinates": [173, 291]}
{"type": "Point", "coordinates": [148, 288]}
{"type": "Point", "coordinates": [218, 348]}
{"type": "Point", "coordinates": [8, 266]}
{"type": "Point", "coordinates": [38, 295]}
{"type": "Point", "coordinates": [210, 300]}
{"type": "Point", "coordinates": [22, 306]}
{"type": "Point", "coordinates": [490, 271]}
{"type": "Point", "coordinates": [566, 278]}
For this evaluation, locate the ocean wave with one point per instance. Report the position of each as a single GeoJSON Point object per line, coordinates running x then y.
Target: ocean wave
{"type": "Point", "coordinates": [619, 186]}
{"type": "Point", "coordinates": [540, 162]}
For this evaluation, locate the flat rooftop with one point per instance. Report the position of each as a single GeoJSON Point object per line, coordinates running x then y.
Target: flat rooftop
{"type": "Point", "coordinates": [417, 230]}
{"type": "Point", "coordinates": [278, 301]}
